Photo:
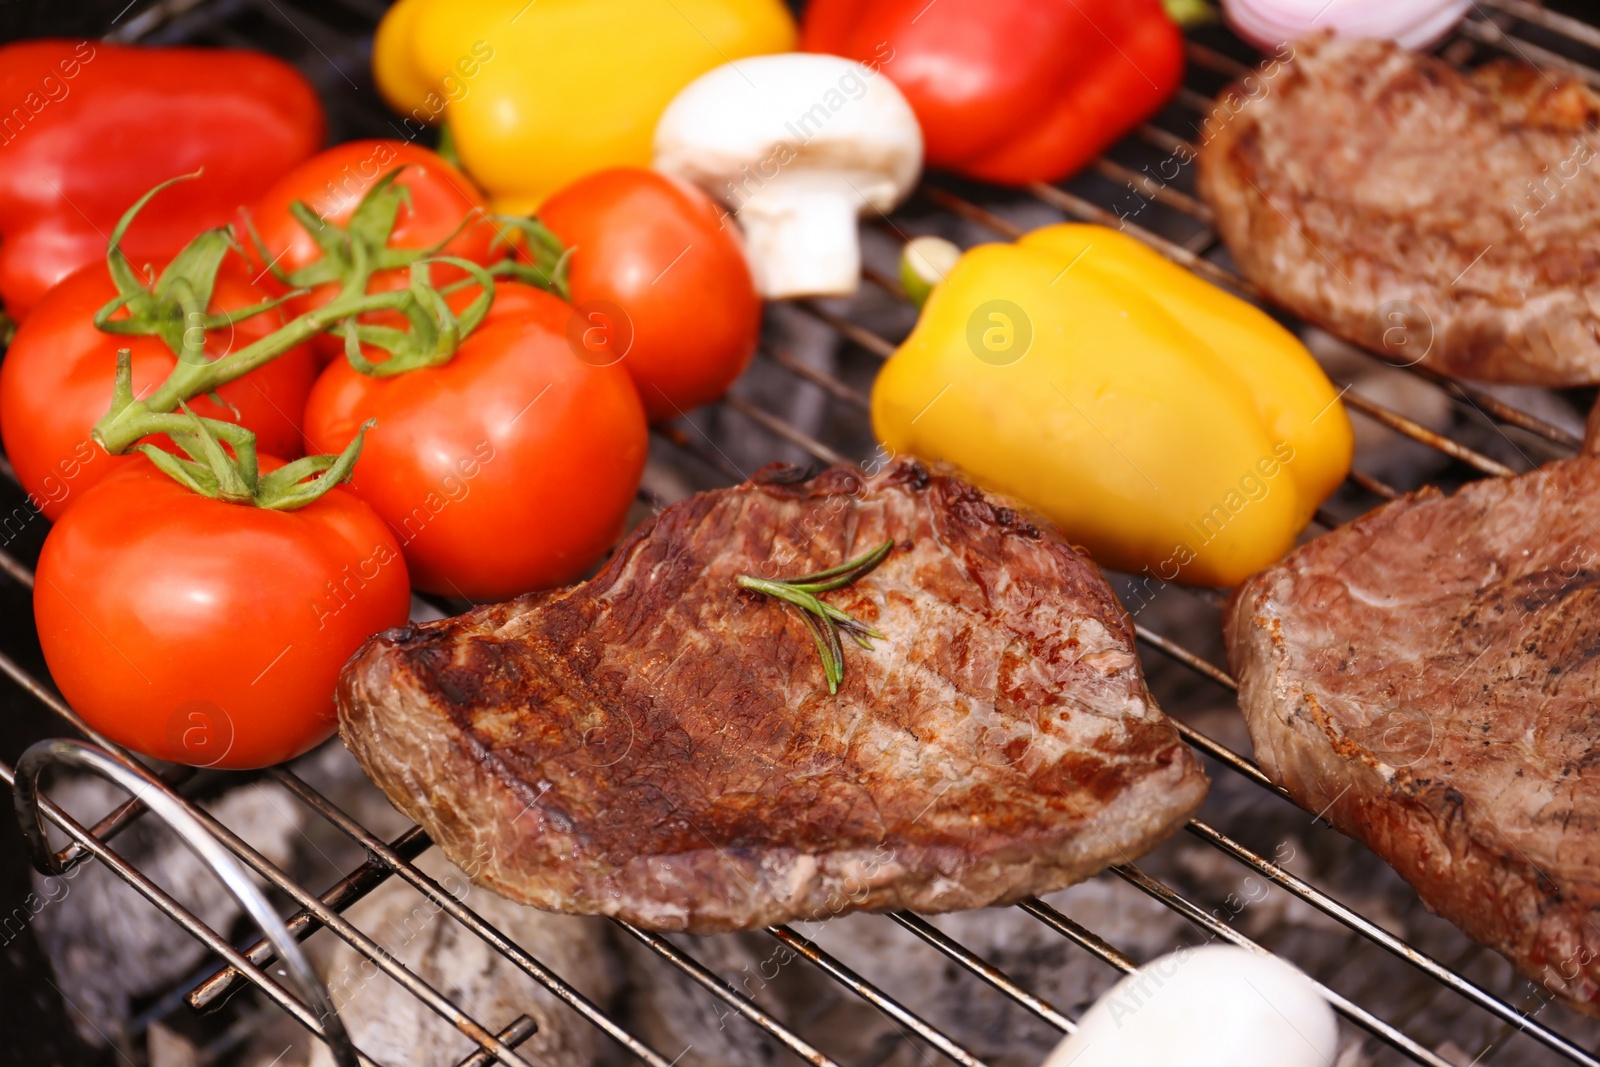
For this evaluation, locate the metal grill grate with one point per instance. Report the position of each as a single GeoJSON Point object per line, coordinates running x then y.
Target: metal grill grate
{"type": "Point", "coordinates": [1179, 227]}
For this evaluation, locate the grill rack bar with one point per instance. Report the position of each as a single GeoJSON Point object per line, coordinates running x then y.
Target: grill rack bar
{"type": "Point", "coordinates": [852, 981]}
{"type": "Point", "coordinates": [441, 898]}
{"type": "Point", "coordinates": [845, 328]}
{"type": "Point", "coordinates": [265, 869]}
{"type": "Point", "coordinates": [174, 910]}
{"type": "Point", "coordinates": [1216, 928]}
{"type": "Point", "coordinates": [708, 980]}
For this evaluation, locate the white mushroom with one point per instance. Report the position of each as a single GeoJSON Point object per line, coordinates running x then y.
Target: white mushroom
{"type": "Point", "coordinates": [1216, 1006]}
{"type": "Point", "coordinates": [799, 146]}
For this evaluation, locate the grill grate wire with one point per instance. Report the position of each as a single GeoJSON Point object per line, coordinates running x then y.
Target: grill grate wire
{"type": "Point", "coordinates": [388, 859]}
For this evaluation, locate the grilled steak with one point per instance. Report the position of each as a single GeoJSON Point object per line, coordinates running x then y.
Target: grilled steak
{"type": "Point", "coordinates": [1427, 678]}
{"type": "Point", "coordinates": [660, 745]}
{"type": "Point", "coordinates": [1414, 209]}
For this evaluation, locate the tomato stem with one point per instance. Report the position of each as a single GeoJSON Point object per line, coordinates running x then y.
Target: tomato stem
{"type": "Point", "coordinates": [436, 331]}
{"type": "Point", "coordinates": [550, 258]}
{"type": "Point", "coordinates": [210, 469]}
{"type": "Point", "coordinates": [195, 376]}
{"type": "Point", "coordinates": [174, 307]}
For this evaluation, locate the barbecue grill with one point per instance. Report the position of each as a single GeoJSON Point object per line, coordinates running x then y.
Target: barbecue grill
{"type": "Point", "coordinates": [1422, 996]}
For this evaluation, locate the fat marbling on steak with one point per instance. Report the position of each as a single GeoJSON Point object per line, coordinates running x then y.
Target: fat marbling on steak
{"type": "Point", "coordinates": [1428, 679]}
{"type": "Point", "coordinates": [1411, 208]}
{"type": "Point", "coordinates": [659, 745]}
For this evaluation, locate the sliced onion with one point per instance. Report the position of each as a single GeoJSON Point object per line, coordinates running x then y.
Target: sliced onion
{"type": "Point", "coordinates": [1411, 23]}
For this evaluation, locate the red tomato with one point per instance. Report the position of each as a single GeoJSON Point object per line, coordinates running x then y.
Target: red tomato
{"type": "Point", "coordinates": [209, 633]}
{"type": "Point", "coordinates": [55, 383]}
{"type": "Point", "coordinates": [508, 469]}
{"type": "Point", "coordinates": [660, 283]}
{"type": "Point", "coordinates": [332, 184]}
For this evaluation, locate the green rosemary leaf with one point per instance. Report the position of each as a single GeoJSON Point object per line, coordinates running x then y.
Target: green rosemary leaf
{"type": "Point", "coordinates": [825, 650]}
{"type": "Point", "coordinates": [824, 621]}
{"type": "Point", "coordinates": [863, 563]}
{"type": "Point", "coordinates": [854, 627]}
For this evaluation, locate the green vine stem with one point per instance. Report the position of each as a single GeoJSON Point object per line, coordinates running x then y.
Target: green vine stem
{"type": "Point", "coordinates": [210, 470]}
{"type": "Point", "coordinates": [175, 306]}
{"type": "Point", "coordinates": [549, 258]}
{"type": "Point", "coordinates": [436, 331]}
{"type": "Point", "coordinates": [821, 618]}
{"type": "Point", "coordinates": [196, 377]}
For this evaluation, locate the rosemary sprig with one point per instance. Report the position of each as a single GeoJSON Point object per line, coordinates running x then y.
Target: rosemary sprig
{"type": "Point", "coordinates": [822, 619]}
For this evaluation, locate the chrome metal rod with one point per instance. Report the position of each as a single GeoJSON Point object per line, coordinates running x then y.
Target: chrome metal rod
{"type": "Point", "coordinates": [119, 819]}
{"type": "Point", "coordinates": [1217, 928]}
{"type": "Point", "coordinates": [862, 336]}
{"type": "Point", "coordinates": [1082, 935]}
{"type": "Point", "coordinates": [1187, 658]}
{"type": "Point", "coordinates": [167, 905]}
{"type": "Point", "coordinates": [971, 961]}
{"type": "Point", "coordinates": [891, 1008]}
{"type": "Point", "coordinates": [1484, 31]}
{"type": "Point", "coordinates": [264, 867]}
{"type": "Point", "coordinates": [170, 809]}
{"type": "Point", "coordinates": [1539, 15]}
{"type": "Point", "coordinates": [1420, 433]}
{"type": "Point", "coordinates": [520, 1030]}
{"type": "Point", "coordinates": [698, 973]}
{"type": "Point", "coordinates": [471, 920]}
{"type": "Point", "coordinates": [776, 426]}
{"type": "Point", "coordinates": [833, 386]}
{"type": "Point", "coordinates": [214, 991]}
{"type": "Point", "coordinates": [1395, 946]}
{"type": "Point", "coordinates": [18, 571]}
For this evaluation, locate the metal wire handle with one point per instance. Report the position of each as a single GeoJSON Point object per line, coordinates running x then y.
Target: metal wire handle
{"type": "Point", "coordinates": [167, 807]}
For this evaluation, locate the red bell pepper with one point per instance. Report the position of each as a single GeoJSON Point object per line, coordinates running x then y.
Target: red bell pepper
{"type": "Point", "coordinates": [1011, 91]}
{"type": "Point", "coordinates": [86, 128]}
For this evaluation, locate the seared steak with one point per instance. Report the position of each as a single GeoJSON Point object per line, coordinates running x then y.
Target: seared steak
{"type": "Point", "coordinates": [1414, 209]}
{"type": "Point", "coordinates": [659, 745]}
{"type": "Point", "coordinates": [1427, 678]}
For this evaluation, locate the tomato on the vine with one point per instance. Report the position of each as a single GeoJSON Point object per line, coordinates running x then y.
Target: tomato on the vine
{"type": "Point", "coordinates": [439, 201]}
{"type": "Point", "coordinates": [56, 381]}
{"type": "Point", "coordinates": [210, 633]}
{"type": "Point", "coordinates": [660, 283]}
{"type": "Point", "coordinates": [510, 468]}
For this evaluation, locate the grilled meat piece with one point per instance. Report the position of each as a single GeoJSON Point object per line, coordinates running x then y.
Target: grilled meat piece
{"type": "Point", "coordinates": [1426, 678]}
{"type": "Point", "coordinates": [659, 745]}
{"type": "Point", "coordinates": [1414, 209]}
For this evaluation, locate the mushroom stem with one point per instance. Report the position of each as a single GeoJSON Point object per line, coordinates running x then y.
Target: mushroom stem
{"type": "Point", "coordinates": [802, 239]}
{"type": "Point", "coordinates": [800, 144]}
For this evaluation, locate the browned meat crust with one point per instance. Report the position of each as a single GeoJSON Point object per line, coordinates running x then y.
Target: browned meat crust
{"type": "Point", "coordinates": [1427, 678]}
{"type": "Point", "coordinates": [1410, 208]}
{"type": "Point", "coordinates": [658, 745]}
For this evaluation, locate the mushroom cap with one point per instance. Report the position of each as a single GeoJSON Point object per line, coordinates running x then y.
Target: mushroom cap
{"type": "Point", "coordinates": [788, 115]}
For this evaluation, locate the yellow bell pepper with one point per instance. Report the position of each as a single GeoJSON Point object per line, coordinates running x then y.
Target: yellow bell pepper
{"type": "Point", "coordinates": [538, 94]}
{"type": "Point", "coordinates": [1172, 429]}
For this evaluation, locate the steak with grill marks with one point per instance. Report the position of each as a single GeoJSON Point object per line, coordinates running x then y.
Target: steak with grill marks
{"type": "Point", "coordinates": [1411, 208]}
{"type": "Point", "coordinates": [1427, 678]}
{"type": "Point", "coordinates": [659, 745]}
